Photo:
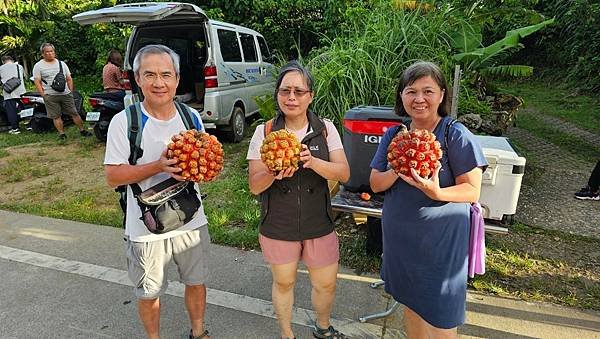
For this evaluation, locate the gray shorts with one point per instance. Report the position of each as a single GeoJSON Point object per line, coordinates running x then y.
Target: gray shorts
{"type": "Point", "coordinates": [57, 104]}
{"type": "Point", "coordinates": [147, 262]}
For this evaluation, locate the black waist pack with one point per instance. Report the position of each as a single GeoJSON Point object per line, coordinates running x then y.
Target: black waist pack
{"type": "Point", "coordinates": [168, 205]}
{"type": "Point", "coordinates": [11, 84]}
{"type": "Point", "coordinates": [59, 82]}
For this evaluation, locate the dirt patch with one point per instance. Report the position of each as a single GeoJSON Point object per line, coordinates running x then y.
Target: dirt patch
{"type": "Point", "coordinates": [48, 173]}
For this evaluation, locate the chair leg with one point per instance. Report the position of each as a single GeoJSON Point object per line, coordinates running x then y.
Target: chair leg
{"type": "Point", "coordinates": [383, 314]}
{"type": "Point", "coordinates": [387, 312]}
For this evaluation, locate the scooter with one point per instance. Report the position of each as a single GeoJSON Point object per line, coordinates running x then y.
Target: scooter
{"type": "Point", "coordinates": [105, 105]}
{"type": "Point", "coordinates": [35, 112]}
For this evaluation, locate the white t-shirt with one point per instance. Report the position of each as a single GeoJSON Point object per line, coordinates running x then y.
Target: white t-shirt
{"type": "Point", "coordinates": [7, 71]}
{"type": "Point", "coordinates": [155, 137]}
{"type": "Point", "coordinates": [334, 142]}
{"type": "Point", "coordinates": [46, 71]}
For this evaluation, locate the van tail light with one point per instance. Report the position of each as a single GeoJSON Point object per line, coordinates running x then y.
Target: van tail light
{"type": "Point", "coordinates": [94, 102]}
{"type": "Point", "coordinates": [369, 127]}
{"type": "Point", "coordinates": [210, 77]}
{"type": "Point", "coordinates": [25, 100]}
{"type": "Point", "coordinates": [126, 82]}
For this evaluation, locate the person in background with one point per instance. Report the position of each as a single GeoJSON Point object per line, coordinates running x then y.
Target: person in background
{"type": "Point", "coordinates": [297, 222]}
{"type": "Point", "coordinates": [426, 221]}
{"type": "Point", "coordinates": [44, 72]}
{"type": "Point", "coordinates": [8, 70]}
{"type": "Point", "coordinates": [592, 190]}
{"type": "Point", "coordinates": [111, 73]}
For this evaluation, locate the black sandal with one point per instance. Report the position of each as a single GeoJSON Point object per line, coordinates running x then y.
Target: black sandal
{"type": "Point", "coordinates": [328, 333]}
{"type": "Point", "coordinates": [203, 335]}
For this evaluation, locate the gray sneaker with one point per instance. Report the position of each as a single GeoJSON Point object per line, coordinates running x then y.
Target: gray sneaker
{"type": "Point", "coordinates": [14, 131]}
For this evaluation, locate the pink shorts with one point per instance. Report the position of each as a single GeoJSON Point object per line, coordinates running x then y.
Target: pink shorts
{"type": "Point", "coordinates": [314, 253]}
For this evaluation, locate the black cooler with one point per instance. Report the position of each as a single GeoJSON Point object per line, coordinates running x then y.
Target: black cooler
{"type": "Point", "coordinates": [363, 128]}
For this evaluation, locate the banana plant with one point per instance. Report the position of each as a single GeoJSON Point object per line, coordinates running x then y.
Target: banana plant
{"type": "Point", "coordinates": [481, 62]}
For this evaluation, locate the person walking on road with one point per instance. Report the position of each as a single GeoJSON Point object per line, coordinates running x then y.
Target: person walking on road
{"type": "Point", "coordinates": [9, 70]}
{"type": "Point", "coordinates": [57, 94]}
{"type": "Point", "coordinates": [156, 69]}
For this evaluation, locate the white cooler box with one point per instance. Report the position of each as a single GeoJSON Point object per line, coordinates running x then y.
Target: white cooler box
{"type": "Point", "coordinates": [502, 180]}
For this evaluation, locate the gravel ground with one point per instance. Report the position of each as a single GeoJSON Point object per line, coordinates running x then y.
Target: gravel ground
{"type": "Point", "coordinates": [551, 177]}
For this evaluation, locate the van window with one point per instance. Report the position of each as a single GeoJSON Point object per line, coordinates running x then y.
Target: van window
{"type": "Point", "coordinates": [264, 50]}
{"type": "Point", "coordinates": [230, 48]}
{"type": "Point", "coordinates": [248, 47]}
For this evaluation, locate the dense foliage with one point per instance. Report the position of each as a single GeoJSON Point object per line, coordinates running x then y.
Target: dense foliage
{"type": "Point", "coordinates": [356, 48]}
{"type": "Point", "coordinates": [573, 43]}
{"type": "Point", "coordinates": [26, 24]}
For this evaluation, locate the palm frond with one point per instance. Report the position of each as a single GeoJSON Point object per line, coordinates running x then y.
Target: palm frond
{"type": "Point", "coordinates": [517, 71]}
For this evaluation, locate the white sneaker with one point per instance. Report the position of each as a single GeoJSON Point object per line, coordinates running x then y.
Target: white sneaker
{"type": "Point", "coordinates": [14, 131]}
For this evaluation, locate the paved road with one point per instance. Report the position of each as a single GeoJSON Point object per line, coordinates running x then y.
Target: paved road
{"type": "Point", "coordinates": [64, 279]}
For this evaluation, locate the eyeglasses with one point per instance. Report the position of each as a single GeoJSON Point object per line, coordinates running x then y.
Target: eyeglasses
{"type": "Point", "coordinates": [286, 92]}
{"type": "Point", "coordinates": [152, 77]}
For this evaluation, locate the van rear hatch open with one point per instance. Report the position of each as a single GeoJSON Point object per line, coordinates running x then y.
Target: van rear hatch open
{"type": "Point", "coordinates": [141, 12]}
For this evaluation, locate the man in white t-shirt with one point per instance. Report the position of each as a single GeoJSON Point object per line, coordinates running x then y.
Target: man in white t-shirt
{"type": "Point", "coordinates": [156, 69]}
{"type": "Point", "coordinates": [56, 102]}
{"type": "Point", "coordinates": [9, 70]}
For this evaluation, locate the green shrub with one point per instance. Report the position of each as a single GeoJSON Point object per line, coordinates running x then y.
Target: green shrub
{"type": "Point", "coordinates": [361, 66]}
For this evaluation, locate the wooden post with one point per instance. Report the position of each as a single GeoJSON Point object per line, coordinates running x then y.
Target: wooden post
{"type": "Point", "coordinates": [455, 90]}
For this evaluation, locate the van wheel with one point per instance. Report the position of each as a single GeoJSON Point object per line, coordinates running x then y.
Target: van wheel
{"type": "Point", "coordinates": [237, 125]}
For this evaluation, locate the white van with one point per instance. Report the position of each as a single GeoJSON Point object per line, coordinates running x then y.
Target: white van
{"type": "Point", "coordinates": [223, 66]}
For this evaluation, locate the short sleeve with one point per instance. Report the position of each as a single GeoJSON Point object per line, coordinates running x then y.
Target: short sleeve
{"type": "Point", "coordinates": [197, 119]}
{"type": "Point", "coordinates": [66, 68]}
{"type": "Point", "coordinates": [379, 161]}
{"type": "Point", "coordinates": [255, 143]}
{"type": "Point", "coordinates": [36, 71]}
{"type": "Point", "coordinates": [464, 150]}
{"type": "Point", "coordinates": [117, 143]}
{"type": "Point", "coordinates": [334, 141]}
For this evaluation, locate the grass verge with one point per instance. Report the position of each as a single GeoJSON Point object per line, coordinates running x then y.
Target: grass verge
{"type": "Point", "coordinates": [569, 143]}
{"type": "Point", "coordinates": [542, 265]}
{"type": "Point", "coordinates": [558, 102]}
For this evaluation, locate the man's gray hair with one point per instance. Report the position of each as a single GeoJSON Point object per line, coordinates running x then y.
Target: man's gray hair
{"type": "Point", "coordinates": [46, 44]}
{"type": "Point", "coordinates": [155, 49]}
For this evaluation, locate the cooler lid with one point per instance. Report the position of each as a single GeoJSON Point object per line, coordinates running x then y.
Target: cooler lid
{"type": "Point", "coordinates": [372, 113]}
{"type": "Point", "coordinates": [498, 150]}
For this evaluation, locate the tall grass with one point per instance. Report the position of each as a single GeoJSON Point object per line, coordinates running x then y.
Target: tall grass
{"type": "Point", "coordinates": [361, 67]}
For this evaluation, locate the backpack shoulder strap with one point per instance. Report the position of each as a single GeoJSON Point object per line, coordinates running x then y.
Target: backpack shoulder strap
{"type": "Point", "coordinates": [446, 132]}
{"type": "Point", "coordinates": [398, 129]}
{"type": "Point", "coordinates": [60, 68]}
{"type": "Point", "coordinates": [189, 119]}
{"type": "Point", "coordinates": [268, 127]}
{"type": "Point", "coordinates": [445, 146]}
{"type": "Point", "coordinates": [135, 126]}
{"type": "Point", "coordinates": [325, 128]}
